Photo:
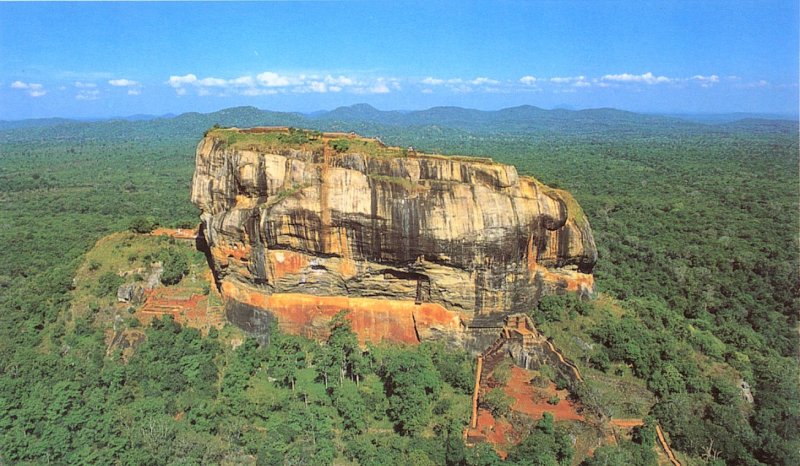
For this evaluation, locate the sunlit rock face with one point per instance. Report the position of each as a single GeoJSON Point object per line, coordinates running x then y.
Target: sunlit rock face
{"type": "Point", "coordinates": [414, 246]}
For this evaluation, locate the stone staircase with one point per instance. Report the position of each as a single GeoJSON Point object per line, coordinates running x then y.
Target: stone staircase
{"type": "Point", "coordinates": [492, 356]}
{"type": "Point", "coordinates": [487, 361]}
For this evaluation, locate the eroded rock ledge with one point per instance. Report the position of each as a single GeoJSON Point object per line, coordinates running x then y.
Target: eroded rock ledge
{"type": "Point", "coordinates": [301, 225]}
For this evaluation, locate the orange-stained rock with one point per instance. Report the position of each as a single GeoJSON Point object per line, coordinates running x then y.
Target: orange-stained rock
{"type": "Point", "coordinates": [417, 247]}
{"type": "Point", "coordinates": [286, 262]}
{"type": "Point", "coordinates": [374, 320]}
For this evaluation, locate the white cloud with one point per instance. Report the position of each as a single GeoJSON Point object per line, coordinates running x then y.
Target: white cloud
{"type": "Point", "coordinates": [179, 81]}
{"type": "Point", "coordinates": [122, 82]}
{"type": "Point", "coordinates": [243, 81]}
{"type": "Point", "coordinates": [273, 82]}
{"type": "Point", "coordinates": [34, 89]}
{"type": "Point", "coordinates": [93, 94]}
{"type": "Point", "coordinates": [380, 88]}
{"type": "Point", "coordinates": [252, 92]}
{"type": "Point", "coordinates": [713, 78]}
{"type": "Point", "coordinates": [212, 82]}
{"type": "Point", "coordinates": [270, 82]}
{"type": "Point", "coordinates": [341, 81]}
{"type": "Point", "coordinates": [432, 81]}
{"type": "Point", "coordinates": [646, 78]}
{"type": "Point", "coordinates": [563, 80]}
{"type": "Point", "coordinates": [318, 86]}
{"type": "Point", "coordinates": [84, 85]}
{"type": "Point", "coordinates": [272, 79]}
{"type": "Point", "coordinates": [574, 81]}
{"type": "Point", "coordinates": [460, 85]}
{"type": "Point", "coordinates": [706, 81]}
{"type": "Point", "coordinates": [134, 87]}
{"type": "Point", "coordinates": [481, 81]}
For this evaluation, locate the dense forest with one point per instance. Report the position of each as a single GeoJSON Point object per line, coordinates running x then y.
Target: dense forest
{"type": "Point", "coordinates": [698, 291]}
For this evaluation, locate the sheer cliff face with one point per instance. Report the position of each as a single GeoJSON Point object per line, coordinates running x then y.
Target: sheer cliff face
{"type": "Point", "coordinates": [414, 246]}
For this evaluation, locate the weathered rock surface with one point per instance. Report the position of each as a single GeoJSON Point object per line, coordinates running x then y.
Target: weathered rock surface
{"type": "Point", "coordinates": [131, 293]}
{"type": "Point", "coordinates": [415, 246]}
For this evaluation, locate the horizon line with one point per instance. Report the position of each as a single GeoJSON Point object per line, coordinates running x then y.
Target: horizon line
{"type": "Point", "coordinates": [569, 108]}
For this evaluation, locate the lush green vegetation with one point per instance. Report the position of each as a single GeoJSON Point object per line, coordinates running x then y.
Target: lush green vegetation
{"type": "Point", "coordinates": [696, 228]}
{"type": "Point", "coordinates": [638, 450]}
{"type": "Point", "coordinates": [272, 140]}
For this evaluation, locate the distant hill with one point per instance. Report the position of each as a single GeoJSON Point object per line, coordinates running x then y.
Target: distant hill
{"type": "Point", "coordinates": [719, 118]}
{"type": "Point", "coordinates": [514, 119]}
{"type": "Point", "coordinates": [367, 120]}
{"type": "Point", "coordinates": [33, 123]}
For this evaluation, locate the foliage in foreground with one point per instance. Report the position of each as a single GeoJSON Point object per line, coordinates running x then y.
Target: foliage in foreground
{"type": "Point", "coordinates": [694, 227]}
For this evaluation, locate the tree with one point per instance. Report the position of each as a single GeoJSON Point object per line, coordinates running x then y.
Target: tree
{"type": "Point", "coordinates": [483, 454]}
{"type": "Point", "coordinates": [143, 224]}
{"type": "Point", "coordinates": [341, 354]}
{"type": "Point", "coordinates": [107, 284]}
{"type": "Point", "coordinates": [175, 265]}
{"type": "Point", "coordinates": [411, 382]}
{"type": "Point", "coordinates": [286, 355]}
{"type": "Point", "coordinates": [666, 381]}
{"type": "Point", "coordinates": [609, 456]}
{"type": "Point", "coordinates": [454, 365]}
{"type": "Point", "coordinates": [498, 401]}
{"type": "Point", "coordinates": [340, 145]}
{"type": "Point", "coordinates": [348, 402]}
{"type": "Point", "coordinates": [240, 367]}
{"type": "Point", "coordinates": [546, 445]}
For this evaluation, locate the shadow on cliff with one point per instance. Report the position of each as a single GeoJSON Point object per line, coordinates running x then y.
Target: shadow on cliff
{"type": "Point", "coordinates": [201, 245]}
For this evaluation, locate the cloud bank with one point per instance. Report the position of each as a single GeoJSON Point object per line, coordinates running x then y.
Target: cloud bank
{"type": "Point", "coordinates": [33, 89]}
{"type": "Point", "coordinates": [271, 82]}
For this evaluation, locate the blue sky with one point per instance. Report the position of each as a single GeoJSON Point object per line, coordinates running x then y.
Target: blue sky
{"type": "Point", "coordinates": [115, 59]}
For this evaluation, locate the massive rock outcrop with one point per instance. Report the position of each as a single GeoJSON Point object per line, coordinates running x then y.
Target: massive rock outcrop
{"type": "Point", "coordinates": [301, 225]}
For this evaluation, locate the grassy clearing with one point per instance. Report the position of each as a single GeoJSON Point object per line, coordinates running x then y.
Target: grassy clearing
{"type": "Point", "coordinates": [129, 257]}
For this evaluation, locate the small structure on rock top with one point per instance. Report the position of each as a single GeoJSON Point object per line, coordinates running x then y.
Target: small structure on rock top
{"type": "Point", "coordinates": [416, 248]}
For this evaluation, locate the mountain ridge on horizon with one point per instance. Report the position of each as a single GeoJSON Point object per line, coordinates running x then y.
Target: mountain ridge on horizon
{"type": "Point", "coordinates": [368, 120]}
{"type": "Point", "coordinates": [366, 109]}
